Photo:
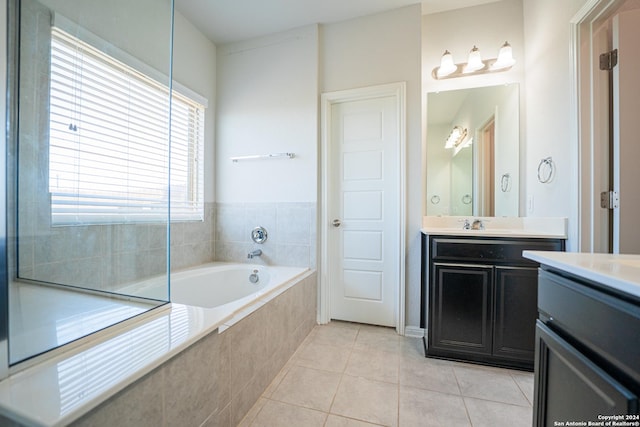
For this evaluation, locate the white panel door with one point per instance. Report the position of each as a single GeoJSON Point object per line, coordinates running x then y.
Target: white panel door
{"type": "Point", "coordinates": [364, 210]}
{"type": "Point", "coordinates": [626, 132]}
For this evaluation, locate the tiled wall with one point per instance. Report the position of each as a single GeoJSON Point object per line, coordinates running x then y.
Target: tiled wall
{"type": "Point", "coordinates": [291, 226]}
{"type": "Point", "coordinates": [218, 379]}
{"type": "Point", "coordinates": [105, 257]}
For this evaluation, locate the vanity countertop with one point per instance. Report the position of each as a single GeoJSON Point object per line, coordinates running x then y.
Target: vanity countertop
{"type": "Point", "coordinates": [619, 272]}
{"type": "Point", "coordinates": [515, 227]}
{"type": "Point", "coordinates": [496, 232]}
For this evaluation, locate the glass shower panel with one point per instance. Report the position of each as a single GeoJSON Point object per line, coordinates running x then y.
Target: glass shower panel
{"type": "Point", "coordinates": [89, 162]}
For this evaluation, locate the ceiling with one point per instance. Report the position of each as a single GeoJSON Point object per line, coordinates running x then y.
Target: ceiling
{"type": "Point", "coordinates": [224, 21]}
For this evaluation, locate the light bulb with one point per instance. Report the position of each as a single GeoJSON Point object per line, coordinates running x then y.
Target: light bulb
{"type": "Point", "coordinates": [446, 65]}
{"type": "Point", "coordinates": [505, 58]}
{"type": "Point", "coordinates": [474, 62]}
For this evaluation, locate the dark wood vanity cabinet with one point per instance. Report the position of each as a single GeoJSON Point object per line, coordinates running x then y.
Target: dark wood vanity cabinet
{"type": "Point", "coordinates": [480, 298]}
{"type": "Point", "coordinates": [588, 353]}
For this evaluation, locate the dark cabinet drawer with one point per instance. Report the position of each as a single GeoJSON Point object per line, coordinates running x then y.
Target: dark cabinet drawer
{"type": "Point", "coordinates": [490, 250]}
{"type": "Point", "coordinates": [570, 386]}
{"type": "Point", "coordinates": [604, 325]}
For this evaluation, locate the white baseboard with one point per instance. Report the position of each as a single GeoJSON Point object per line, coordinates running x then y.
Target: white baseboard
{"type": "Point", "coordinates": [414, 332]}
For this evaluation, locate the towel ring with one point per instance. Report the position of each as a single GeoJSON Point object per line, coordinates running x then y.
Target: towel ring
{"type": "Point", "coordinates": [435, 199]}
{"type": "Point", "coordinates": [505, 183]}
{"type": "Point", "coordinates": [546, 170]}
{"type": "Point", "coordinates": [466, 199]}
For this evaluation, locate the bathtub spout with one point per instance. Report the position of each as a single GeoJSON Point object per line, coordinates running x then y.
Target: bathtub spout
{"type": "Point", "coordinates": [252, 254]}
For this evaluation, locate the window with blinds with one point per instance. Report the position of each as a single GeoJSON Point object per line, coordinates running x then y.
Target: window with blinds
{"type": "Point", "coordinates": [110, 156]}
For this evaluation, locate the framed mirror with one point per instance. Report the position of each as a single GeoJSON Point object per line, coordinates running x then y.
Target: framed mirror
{"type": "Point", "coordinates": [473, 142]}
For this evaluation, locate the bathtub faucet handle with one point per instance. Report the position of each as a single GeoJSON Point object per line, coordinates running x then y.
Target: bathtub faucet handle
{"type": "Point", "coordinates": [255, 253]}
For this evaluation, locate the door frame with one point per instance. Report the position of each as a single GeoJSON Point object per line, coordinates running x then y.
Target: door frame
{"type": "Point", "coordinates": [328, 99]}
{"type": "Point", "coordinates": [583, 117]}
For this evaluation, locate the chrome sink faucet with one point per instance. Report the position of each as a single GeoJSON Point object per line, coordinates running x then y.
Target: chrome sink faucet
{"type": "Point", "coordinates": [466, 225]}
{"type": "Point", "coordinates": [254, 253]}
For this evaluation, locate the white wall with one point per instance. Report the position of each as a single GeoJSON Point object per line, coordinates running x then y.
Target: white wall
{"type": "Point", "coordinates": [380, 49]}
{"type": "Point", "coordinates": [268, 103]}
{"type": "Point", "coordinates": [141, 28]}
{"type": "Point", "coordinates": [548, 92]}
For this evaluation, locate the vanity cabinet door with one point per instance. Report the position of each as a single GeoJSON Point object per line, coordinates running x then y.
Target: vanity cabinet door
{"type": "Point", "coordinates": [460, 309]}
{"type": "Point", "coordinates": [569, 386]}
{"type": "Point", "coordinates": [516, 301]}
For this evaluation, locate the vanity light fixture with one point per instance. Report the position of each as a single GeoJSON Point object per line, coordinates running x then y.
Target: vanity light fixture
{"type": "Point", "coordinates": [457, 135]}
{"type": "Point", "coordinates": [475, 64]}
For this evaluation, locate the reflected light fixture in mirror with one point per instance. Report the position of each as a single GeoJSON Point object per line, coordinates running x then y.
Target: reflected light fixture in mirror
{"type": "Point", "coordinates": [475, 64]}
{"type": "Point", "coordinates": [456, 137]}
{"type": "Point", "coordinates": [462, 145]}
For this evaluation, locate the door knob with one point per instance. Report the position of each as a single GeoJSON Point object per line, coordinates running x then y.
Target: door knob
{"type": "Point", "coordinates": [336, 223]}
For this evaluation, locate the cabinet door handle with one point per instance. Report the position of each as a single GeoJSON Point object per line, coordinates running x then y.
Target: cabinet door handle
{"type": "Point", "coordinates": [336, 223]}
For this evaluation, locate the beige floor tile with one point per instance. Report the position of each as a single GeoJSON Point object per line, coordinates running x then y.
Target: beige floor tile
{"type": "Point", "coordinates": [374, 365]}
{"type": "Point", "coordinates": [431, 409]}
{"type": "Point", "coordinates": [484, 413]}
{"type": "Point", "coordinates": [307, 387]}
{"type": "Point", "coordinates": [367, 400]}
{"type": "Point", "coordinates": [412, 348]}
{"type": "Point", "coordinates": [525, 382]}
{"type": "Point", "coordinates": [279, 414]}
{"type": "Point", "coordinates": [337, 421]}
{"type": "Point", "coordinates": [489, 384]}
{"type": "Point", "coordinates": [343, 324]}
{"type": "Point", "coordinates": [379, 339]}
{"type": "Point", "coordinates": [339, 336]}
{"type": "Point", "coordinates": [353, 371]}
{"type": "Point", "coordinates": [322, 356]}
{"type": "Point", "coordinates": [429, 374]}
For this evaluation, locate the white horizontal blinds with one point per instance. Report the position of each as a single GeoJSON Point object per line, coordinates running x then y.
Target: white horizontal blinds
{"type": "Point", "coordinates": [187, 169]}
{"type": "Point", "coordinates": [109, 150]}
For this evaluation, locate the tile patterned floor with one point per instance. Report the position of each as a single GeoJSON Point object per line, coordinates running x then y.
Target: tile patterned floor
{"type": "Point", "coordinates": [351, 375]}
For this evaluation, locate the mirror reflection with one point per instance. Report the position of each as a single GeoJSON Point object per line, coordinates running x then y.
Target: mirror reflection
{"type": "Point", "coordinates": [473, 151]}
{"type": "Point", "coordinates": [88, 200]}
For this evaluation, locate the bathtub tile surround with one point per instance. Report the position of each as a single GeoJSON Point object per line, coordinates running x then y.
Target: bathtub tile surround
{"type": "Point", "coordinates": [330, 382]}
{"type": "Point", "coordinates": [217, 380]}
{"type": "Point", "coordinates": [291, 227]}
{"type": "Point", "coordinates": [109, 256]}
{"type": "Point", "coordinates": [114, 257]}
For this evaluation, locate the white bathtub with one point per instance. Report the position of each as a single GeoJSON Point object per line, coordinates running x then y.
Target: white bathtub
{"type": "Point", "coordinates": [213, 285]}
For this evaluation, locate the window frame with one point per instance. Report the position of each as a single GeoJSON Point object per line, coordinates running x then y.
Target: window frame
{"type": "Point", "coordinates": [189, 208]}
